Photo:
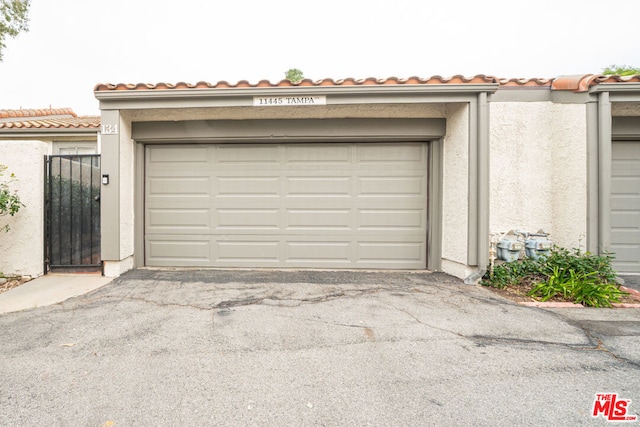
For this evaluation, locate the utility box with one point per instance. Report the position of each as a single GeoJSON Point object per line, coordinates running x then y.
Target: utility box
{"type": "Point", "coordinates": [509, 250]}
{"type": "Point", "coordinates": [538, 247]}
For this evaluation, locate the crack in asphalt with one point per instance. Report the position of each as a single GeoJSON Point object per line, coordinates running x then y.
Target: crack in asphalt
{"type": "Point", "coordinates": [259, 300]}
{"type": "Point", "coordinates": [596, 344]}
{"type": "Point", "coordinates": [402, 310]}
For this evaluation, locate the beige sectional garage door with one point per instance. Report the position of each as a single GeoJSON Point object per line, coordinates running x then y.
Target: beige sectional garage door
{"type": "Point", "coordinates": [342, 205]}
{"type": "Point", "coordinates": [625, 206]}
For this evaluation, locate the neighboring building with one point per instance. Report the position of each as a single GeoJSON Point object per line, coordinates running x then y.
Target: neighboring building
{"type": "Point", "coordinates": [374, 174]}
{"type": "Point", "coordinates": [61, 128]}
{"type": "Point", "coordinates": [26, 137]}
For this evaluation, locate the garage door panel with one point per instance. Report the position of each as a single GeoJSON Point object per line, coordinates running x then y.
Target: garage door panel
{"type": "Point", "coordinates": [626, 184]}
{"type": "Point", "coordinates": [625, 256]}
{"type": "Point", "coordinates": [277, 205]}
{"type": "Point", "coordinates": [248, 219]}
{"type": "Point", "coordinates": [179, 219]}
{"type": "Point", "coordinates": [626, 238]}
{"type": "Point", "coordinates": [170, 251]}
{"type": "Point", "coordinates": [172, 154]}
{"type": "Point", "coordinates": [370, 186]}
{"type": "Point", "coordinates": [390, 252]}
{"type": "Point", "coordinates": [318, 219]}
{"type": "Point", "coordinates": [625, 221]}
{"type": "Point", "coordinates": [263, 186]}
{"type": "Point", "coordinates": [409, 155]}
{"type": "Point", "coordinates": [246, 153]}
{"type": "Point", "coordinates": [179, 186]}
{"type": "Point", "coordinates": [318, 252]}
{"type": "Point", "coordinates": [248, 251]}
{"type": "Point", "coordinates": [391, 219]}
{"type": "Point", "coordinates": [318, 186]}
{"type": "Point", "coordinates": [315, 154]}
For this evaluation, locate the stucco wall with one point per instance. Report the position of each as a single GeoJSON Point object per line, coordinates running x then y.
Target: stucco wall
{"type": "Point", "coordinates": [436, 110]}
{"type": "Point", "coordinates": [21, 249]}
{"type": "Point", "coordinates": [625, 109]}
{"type": "Point", "coordinates": [127, 167]}
{"type": "Point", "coordinates": [538, 169]}
{"type": "Point", "coordinates": [455, 188]}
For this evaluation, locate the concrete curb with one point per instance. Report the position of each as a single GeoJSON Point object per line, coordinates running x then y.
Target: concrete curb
{"type": "Point", "coordinates": [541, 304]}
{"type": "Point", "coordinates": [634, 294]}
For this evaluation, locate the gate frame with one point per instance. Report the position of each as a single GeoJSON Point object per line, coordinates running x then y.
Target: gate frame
{"type": "Point", "coordinates": [47, 212]}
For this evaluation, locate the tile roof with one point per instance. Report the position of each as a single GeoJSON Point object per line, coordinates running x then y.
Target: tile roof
{"type": "Point", "coordinates": [582, 83]}
{"type": "Point", "coordinates": [370, 81]}
{"type": "Point", "coordinates": [6, 114]}
{"type": "Point", "coordinates": [76, 122]}
{"type": "Point", "coordinates": [578, 83]}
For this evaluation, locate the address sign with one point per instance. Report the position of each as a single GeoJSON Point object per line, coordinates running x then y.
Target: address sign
{"type": "Point", "coordinates": [282, 101]}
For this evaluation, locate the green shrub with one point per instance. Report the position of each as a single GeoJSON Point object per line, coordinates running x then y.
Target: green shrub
{"type": "Point", "coordinates": [576, 276]}
{"type": "Point", "coordinates": [10, 203]}
{"type": "Point", "coordinates": [511, 273]}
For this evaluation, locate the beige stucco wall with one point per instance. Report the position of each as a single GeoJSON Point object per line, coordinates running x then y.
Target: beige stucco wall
{"type": "Point", "coordinates": [117, 198]}
{"type": "Point", "coordinates": [21, 249]}
{"type": "Point", "coordinates": [625, 109]}
{"type": "Point", "coordinates": [436, 110]}
{"type": "Point", "coordinates": [127, 167]}
{"type": "Point", "coordinates": [538, 169]}
{"type": "Point", "coordinates": [455, 209]}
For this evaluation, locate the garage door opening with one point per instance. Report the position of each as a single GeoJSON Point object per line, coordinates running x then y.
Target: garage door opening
{"type": "Point", "coordinates": [299, 205]}
{"type": "Point", "coordinates": [625, 206]}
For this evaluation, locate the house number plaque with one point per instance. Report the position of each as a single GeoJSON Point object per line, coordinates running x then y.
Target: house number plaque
{"type": "Point", "coordinates": [282, 101]}
{"type": "Point", "coordinates": [108, 129]}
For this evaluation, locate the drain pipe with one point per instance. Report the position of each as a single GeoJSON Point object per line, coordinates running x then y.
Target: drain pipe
{"type": "Point", "coordinates": [480, 191]}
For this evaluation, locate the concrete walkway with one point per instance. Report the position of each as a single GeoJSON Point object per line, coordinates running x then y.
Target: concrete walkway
{"type": "Point", "coordinates": [49, 289]}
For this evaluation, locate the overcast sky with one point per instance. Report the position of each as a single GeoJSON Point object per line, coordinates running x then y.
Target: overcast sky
{"type": "Point", "coordinates": [74, 44]}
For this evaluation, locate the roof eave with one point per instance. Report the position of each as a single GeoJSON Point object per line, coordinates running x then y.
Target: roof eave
{"type": "Point", "coordinates": [158, 94]}
{"type": "Point", "coordinates": [619, 87]}
{"type": "Point", "coordinates": [27, 132]}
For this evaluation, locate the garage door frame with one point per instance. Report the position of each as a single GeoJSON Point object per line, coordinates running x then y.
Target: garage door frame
{"type": "Point", "coordinates": [429, 131]}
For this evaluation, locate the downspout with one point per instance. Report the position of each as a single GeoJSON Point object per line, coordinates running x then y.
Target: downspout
{"type": "Point", "coordinates": [481, 189]}
{"type": "Point", "coordinates": [604, 173]}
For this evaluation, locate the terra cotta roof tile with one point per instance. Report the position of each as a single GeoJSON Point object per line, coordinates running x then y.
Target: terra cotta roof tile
{"type": "Point", "coordinates": [77, 122]}
{"type": "Point", "coordinates": [44, 112]}
{"type": "Point", "coordinates": [578, 83]}
{"type": "Point", "coordinates": [369, 81]}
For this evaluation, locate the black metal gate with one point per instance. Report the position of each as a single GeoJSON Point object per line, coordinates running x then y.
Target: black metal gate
{"type": "Point", "coordinates": [72, 213]}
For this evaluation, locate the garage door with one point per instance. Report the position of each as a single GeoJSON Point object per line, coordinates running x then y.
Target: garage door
{"type": "Point", "coordinates": [625, 206]}
{"type": "Point", "coordinates": [344, 205]}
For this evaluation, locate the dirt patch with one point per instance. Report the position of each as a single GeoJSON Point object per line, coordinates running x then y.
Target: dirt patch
{"type": "Point", "coordinates": [12, 283]}
{"type": "Point", "coordinates": [518, 293]}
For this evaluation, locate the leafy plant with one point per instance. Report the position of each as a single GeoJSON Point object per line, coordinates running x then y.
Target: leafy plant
{"type": "Point", "coordinates": [294, 75]}
{"type": "Point", "coordinates": [621, 70]}
{"type": "Point", "coordinates": [10, 202]}
{"type": "Point", "coordinates": [576, 276]}
{"type": "Point", "coordinates": [14, 19]}
{"type": "Point", "coordinates": [579, 287]}
{"type": "Point", "coordinates": [511, 273]}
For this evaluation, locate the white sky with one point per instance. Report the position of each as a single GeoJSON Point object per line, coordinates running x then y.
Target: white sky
{"type": "Point", "coordinates": [75, 44]}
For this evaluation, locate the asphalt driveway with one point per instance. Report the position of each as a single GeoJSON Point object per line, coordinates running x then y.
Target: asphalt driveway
{"type": "Point", "coordinates": [200, 348]}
